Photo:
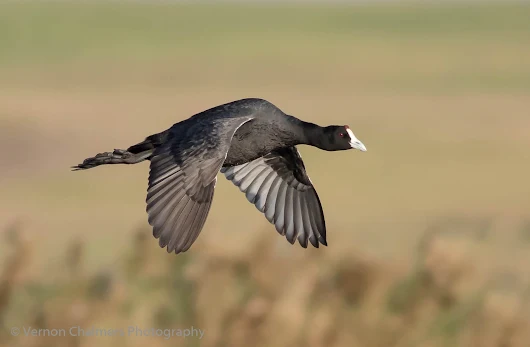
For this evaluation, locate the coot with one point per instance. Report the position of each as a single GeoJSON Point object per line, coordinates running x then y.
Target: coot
{"type": "Point", "coordinates": [253, 143]}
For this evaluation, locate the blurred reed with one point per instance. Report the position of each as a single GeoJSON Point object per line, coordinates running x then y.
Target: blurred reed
{"type": "Point", "coordinates": [267, 298]}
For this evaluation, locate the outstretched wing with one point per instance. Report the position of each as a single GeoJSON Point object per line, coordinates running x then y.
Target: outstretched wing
{"type": "Point", "coordinates": [279, 187]}
{"type": "Point", "coordinates": [182, 179]}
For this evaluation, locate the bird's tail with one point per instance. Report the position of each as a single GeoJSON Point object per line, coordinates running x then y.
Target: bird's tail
{"type": "Point", "coordinates": [132, 155]}
{"type": "Point", "coordinates": [118, 156]}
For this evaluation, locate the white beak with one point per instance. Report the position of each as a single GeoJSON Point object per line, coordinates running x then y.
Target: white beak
{"type": "Point", "coordinates": [355, 142]}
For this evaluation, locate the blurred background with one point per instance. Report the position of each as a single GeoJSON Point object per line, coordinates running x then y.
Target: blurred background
{"type": "Point", "coordinates": [428, 231]}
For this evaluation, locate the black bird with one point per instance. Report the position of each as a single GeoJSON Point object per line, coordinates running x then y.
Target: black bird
{"type": "Point", "coordinates": [252, 142]}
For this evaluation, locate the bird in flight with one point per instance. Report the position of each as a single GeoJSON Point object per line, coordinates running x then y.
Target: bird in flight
{"type": "Point", "coordinates": [253, 143]}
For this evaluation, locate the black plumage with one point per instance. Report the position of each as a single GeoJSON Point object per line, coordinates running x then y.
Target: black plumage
{"type": "Point", "coordinates": [250, 141]}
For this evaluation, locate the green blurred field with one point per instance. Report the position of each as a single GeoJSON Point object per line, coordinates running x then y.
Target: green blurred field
{"type": "Point", "coordinates": [439, 94]}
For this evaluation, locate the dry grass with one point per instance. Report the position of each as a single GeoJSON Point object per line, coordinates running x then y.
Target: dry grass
{"type": "Point", "coordinates": [265, 296]}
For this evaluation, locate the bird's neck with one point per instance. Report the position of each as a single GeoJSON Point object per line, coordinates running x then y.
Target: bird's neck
{"type": "Point", "coordinates": [306, 133]}
{"type": "Point", "coordinates": [313, 135]}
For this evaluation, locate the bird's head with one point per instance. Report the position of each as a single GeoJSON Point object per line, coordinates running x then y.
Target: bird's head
{"type": "Point", "coordinates": [341, 137]}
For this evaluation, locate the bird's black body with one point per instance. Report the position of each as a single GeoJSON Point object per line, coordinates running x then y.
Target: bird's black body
{"type": "Point", "coordinates": [253, 143]}
{"type": "Point", "coordinates": [270, 130]}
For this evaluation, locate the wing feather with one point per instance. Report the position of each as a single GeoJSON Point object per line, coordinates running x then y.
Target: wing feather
{"type": "Point", "coordinates": [279, 187]}
{"type": "Point", "coordinates": [182, 179]}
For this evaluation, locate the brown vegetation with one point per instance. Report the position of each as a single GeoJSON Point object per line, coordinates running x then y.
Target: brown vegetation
{"type": "Point", "coordinates": [267, 298]}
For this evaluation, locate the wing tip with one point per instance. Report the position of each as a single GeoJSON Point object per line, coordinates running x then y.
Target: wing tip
{"type": "Point", "coordinates": [169, 249]}
{"type": "Point", "coordinates": [303, 242]}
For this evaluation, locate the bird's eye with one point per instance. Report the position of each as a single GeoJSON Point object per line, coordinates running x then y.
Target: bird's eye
{"type": "Point", "coordinates": [341, 134]}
